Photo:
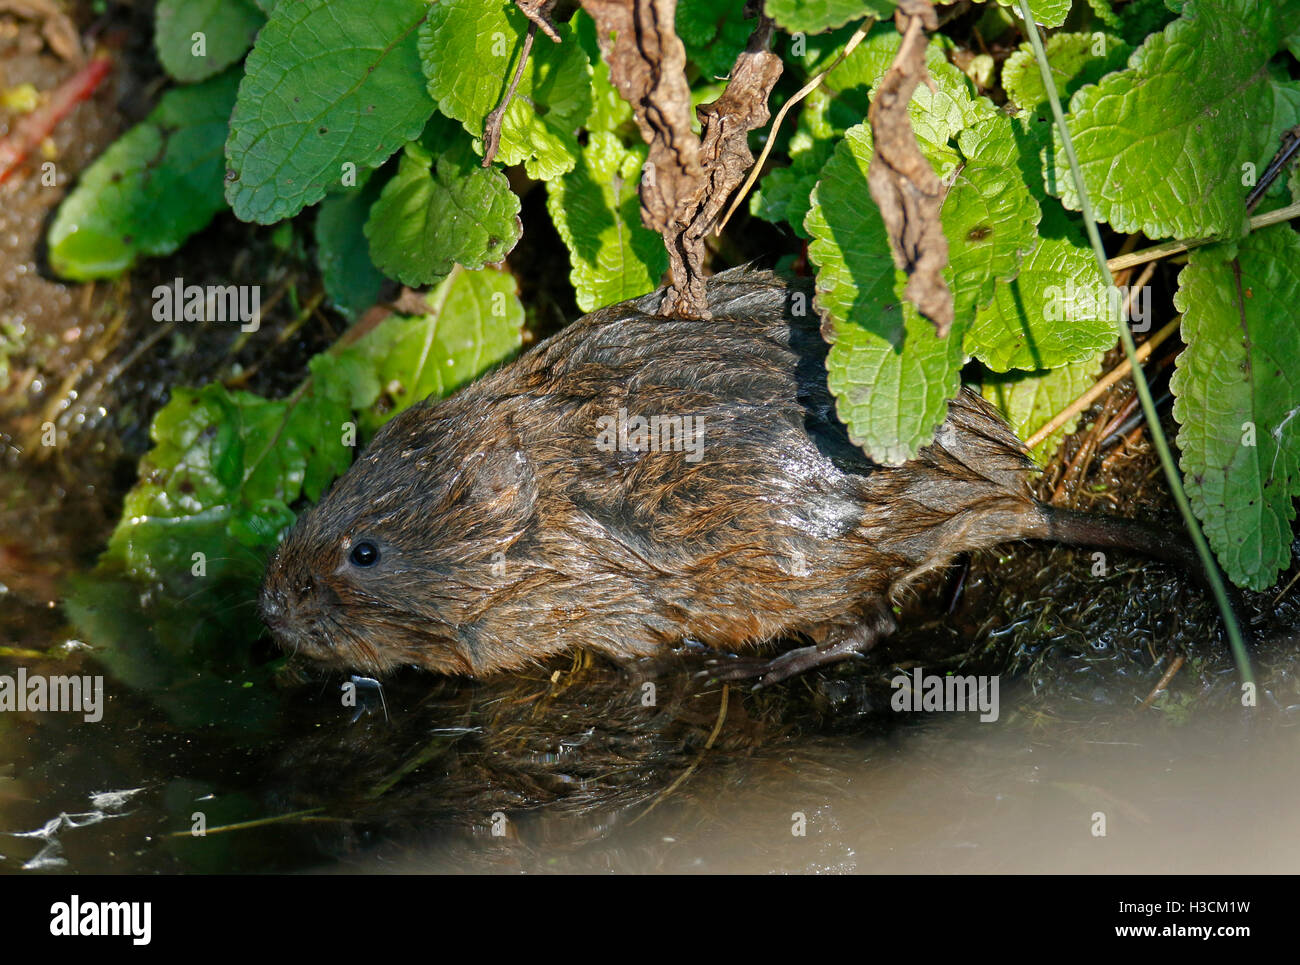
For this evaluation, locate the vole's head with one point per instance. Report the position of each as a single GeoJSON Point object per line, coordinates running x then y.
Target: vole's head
{"type": "Point", "coordinates": [397, 562]}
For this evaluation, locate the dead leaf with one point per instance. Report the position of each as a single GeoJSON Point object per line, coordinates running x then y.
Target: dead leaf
{"type": "Point", "coordinates": [539, 12]}
{"type": "Point", "coordinates": [686, 181]}
{"type": "Point", "coordinates": [56, 26]}
{"type": "Point", "coordinates": [647, 63]}
{"type": "Point", "coordinates": [726, 159]}
{"type": "Point", "coordinates": [902, 183]}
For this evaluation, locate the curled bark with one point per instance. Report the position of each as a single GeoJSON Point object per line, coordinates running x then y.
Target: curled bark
{"type": "Point", "coordinates": [686, 179]}
{"type": "Point", "coordinates": [902, 183]}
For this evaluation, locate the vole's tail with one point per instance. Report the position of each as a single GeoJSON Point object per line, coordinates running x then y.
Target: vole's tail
{"type": "Point", "coordinates": [1165, 543]}
{"type": "Point", "coordinates": [1169, 544]}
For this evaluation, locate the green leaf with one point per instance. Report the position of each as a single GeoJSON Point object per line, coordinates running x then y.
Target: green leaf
{"type": "Point", "coordinates": [1142, 17]}
{"type": "Point", "coordinates": [224, 469]}
{"type": "Point", "coordinates": [431, 217]}
{"type": "Point", "coordinates": [785, 193]}
{"type": "Point", "coordinates": [470, 51]}
{"type": "Point", "coordinates": [842, 101]}
{"type": "Point", "coordinates": [815, 16]}
{"type": "Point", "coordinates": [328, 89]}
{"type": "Point", "coordinates": [1030, 399]}
{"type": "Point", "coordinates": [891, 376]}
{"type": "Point", "coordinates": [892, 389]}
{"type": "Point", "coordinates": [227, 28]}
{"type": "Point", "coordinates": [988, 216]}
{"type": "Point", "coordinates": [939, 115]}
{"type": "Point", "coordinates": [856, 278]}
{"type": "Point", "coordinates": [1055, 311]}
{"type": "Point", "coordinates": [475, 320]}
{"type": "Point", "coordinates": [714, 32]}
{"type": "Point", "coordinates": [609, 111]}
{"type": "Point", "coordinates": [597, 212]}
{"type": "Point", "coordinates": [1237, 399]}
{"type": "Point", "coordinates": [1049, 13]}
{"type": "Point", "coordinates": [1103, 11]}
{"type": "Point", "coordinates": [168, 606]}
{"type": "Point", "coordinates": [866, 65]}
{"type": "Point", "coordinates": [1076, 59]}
{"type": "Point", "coordinates": [1162, 145]}
{"type": "Point", "coordinates": [153, 188]}
{"type": "Point", "coordinates": [351, 279]}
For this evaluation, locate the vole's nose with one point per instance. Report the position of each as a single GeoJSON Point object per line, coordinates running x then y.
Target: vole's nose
{"type": "Point", "coordinates": [273, 609]}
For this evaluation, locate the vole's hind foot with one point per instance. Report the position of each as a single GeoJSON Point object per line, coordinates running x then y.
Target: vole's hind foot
{"type": "Point", "coordinates": [789, 664]}
{"type": "Point", "coordinates": [843, 641]}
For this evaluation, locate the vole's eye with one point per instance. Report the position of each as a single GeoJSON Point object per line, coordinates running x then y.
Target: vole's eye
{"type": "Point", "coordinates": [364, 554]}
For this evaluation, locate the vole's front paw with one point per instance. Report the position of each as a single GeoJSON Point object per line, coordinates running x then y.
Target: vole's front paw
{"type": "Point", "coordinates": [727, 668]}
{"type": "Point", "coordinates": [369, 694]}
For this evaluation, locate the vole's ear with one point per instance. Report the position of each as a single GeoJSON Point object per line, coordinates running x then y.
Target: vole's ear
{"type": "Point", "coordinates": [501, 473]}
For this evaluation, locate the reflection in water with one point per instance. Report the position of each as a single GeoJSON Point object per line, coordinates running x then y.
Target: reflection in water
{"type": "Point", "coordinates": [581, 769]}
{"type": "Point", "coordinates": [949, 795]}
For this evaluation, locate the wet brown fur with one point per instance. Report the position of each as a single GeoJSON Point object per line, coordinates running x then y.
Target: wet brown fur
{"type": "Point", "coordinates": [630, 552]}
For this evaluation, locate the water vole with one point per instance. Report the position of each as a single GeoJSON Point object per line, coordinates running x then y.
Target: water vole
{"type": "Point", "coordinates": [531, 512]}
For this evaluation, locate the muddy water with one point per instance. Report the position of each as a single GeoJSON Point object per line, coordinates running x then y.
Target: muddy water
{"type": "Point", "coordinates": [575, 774]}
{"type": "Point", "coordinates": [951, 796]}
{"type": "Point", "coordinates": [588, 766]}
